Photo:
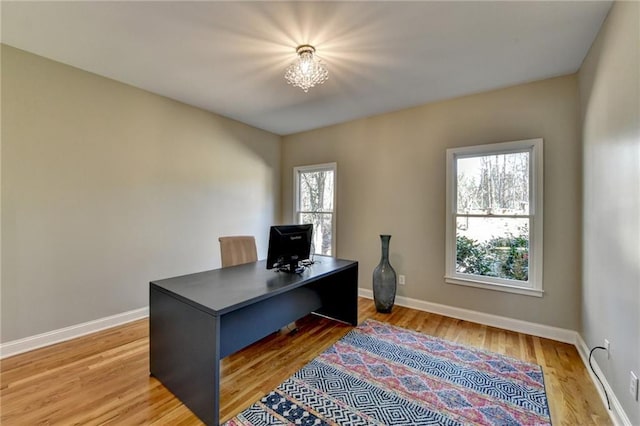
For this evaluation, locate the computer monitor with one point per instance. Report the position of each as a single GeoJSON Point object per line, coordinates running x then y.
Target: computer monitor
{"type": "Point", "coordinates": [288, 246]}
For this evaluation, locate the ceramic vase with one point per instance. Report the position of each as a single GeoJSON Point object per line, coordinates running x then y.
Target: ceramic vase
{"type": "Point", "coordinates": [384, 280]}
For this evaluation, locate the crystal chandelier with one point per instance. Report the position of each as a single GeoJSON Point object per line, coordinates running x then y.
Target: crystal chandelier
{"type": "Point", "coordinates": [307, 70]}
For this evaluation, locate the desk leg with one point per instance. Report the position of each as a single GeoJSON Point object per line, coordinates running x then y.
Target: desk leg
{"type": "Point", "coordinates": [184, 353]}
{"type": "Point", "coordinates": [339, 294]}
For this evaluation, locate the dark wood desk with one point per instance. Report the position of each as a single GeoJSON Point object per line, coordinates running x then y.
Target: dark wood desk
{"type": "Point", "coordinates": [195, 320]}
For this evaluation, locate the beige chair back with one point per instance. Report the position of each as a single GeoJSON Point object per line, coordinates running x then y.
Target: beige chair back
{"type": "Point", "coordinates": [237, 250]}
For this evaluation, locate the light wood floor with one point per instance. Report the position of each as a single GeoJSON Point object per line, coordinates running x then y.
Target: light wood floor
{"type": "Point", "coordinates": [104, 377]}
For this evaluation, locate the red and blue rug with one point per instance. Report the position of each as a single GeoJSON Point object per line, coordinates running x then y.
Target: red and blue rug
{"type": "Point", "coordinates": [379, 374]}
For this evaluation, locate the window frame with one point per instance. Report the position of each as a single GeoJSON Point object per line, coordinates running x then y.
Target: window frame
{"type": "Point", "coordinates": [296, 196]}
{"type": "Point", "coordinates": [534, 285]}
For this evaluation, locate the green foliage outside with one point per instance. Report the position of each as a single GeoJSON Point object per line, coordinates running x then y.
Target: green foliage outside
{"type": "Point", "coordinates": [471, 257]}
{"type": "Point", "coordinates": [502, 257]}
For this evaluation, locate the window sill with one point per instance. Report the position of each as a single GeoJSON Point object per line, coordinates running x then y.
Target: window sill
{"type": "Point", "coordinates": [493, 286]}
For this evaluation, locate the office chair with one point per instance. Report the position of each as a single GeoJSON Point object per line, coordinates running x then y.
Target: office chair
{"type": "Point", "coordinates": [237, 250]}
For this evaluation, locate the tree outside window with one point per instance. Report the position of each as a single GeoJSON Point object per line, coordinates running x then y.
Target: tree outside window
{"type": "Point", "coordinates": [494, 215]}
{"type": "Point", "coordinates": [315, 204]}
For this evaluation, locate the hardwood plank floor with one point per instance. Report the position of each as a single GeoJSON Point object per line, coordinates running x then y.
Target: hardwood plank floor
{"type": "Point", "coordinates": [104, 378]}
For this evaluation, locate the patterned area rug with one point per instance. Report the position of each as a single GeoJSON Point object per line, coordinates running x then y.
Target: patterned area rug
{"type": "Point", "coordinates": [379, 374]}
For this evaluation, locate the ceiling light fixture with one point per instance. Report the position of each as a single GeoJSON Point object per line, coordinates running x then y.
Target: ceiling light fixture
{"type": "Point", "coordinates": [307, 70]}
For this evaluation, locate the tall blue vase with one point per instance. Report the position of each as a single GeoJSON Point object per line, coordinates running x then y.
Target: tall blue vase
{"type": "Point", "coordinates": [384, 280]}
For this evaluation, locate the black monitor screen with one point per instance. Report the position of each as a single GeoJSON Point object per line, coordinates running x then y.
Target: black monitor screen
{"type": "Point", "coordinates": [288, 245]}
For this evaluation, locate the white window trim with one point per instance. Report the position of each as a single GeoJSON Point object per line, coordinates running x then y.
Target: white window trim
{"type": "Point", "coordinates": [534, 286]}
{"type": "Point", "coordinates": [296, 195]}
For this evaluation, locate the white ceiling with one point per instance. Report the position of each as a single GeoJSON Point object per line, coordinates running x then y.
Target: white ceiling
{"type": "Point", "coordinates": [230, 57]}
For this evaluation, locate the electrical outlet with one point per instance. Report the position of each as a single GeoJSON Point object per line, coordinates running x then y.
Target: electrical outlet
{"type": "Point", "coordinates": [401, 279]}
{"type": "Point", "coordinates": [633, 385]}
{"type": "Point", "coordinates": [607, 346]}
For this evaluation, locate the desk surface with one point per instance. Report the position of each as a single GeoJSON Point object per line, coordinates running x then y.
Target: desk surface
{"type": "Point", "coordinates": [222, 290]}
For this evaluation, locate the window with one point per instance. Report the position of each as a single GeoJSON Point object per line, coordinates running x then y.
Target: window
{"type": "Point", "coordinates": [494, 216]}
{"type": "Point", "coordinates": [315, 202]}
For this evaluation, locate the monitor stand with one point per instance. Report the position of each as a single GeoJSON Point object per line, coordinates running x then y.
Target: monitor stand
{"type": "Point", "coordinates": [292, 268]}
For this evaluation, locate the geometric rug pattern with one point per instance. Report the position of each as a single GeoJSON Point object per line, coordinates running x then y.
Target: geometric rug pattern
{"type": "Point", "coordinates": [379, 374]}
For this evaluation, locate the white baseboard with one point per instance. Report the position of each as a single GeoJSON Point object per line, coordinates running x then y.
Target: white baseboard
{"type": "Point", "coordinates": [56, 336]}
{"type": "Point", "coordinates": [534, 329]}
{"type": "Point", "coordinates": [617, 414]}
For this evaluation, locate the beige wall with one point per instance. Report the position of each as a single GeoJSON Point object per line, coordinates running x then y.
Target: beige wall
{"type": "Point", "coordinates": [610, 99]}
{"type": "Point", "coordinates": [106, 187]}
{"type": "Point", "coordinates": [391, 179]}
